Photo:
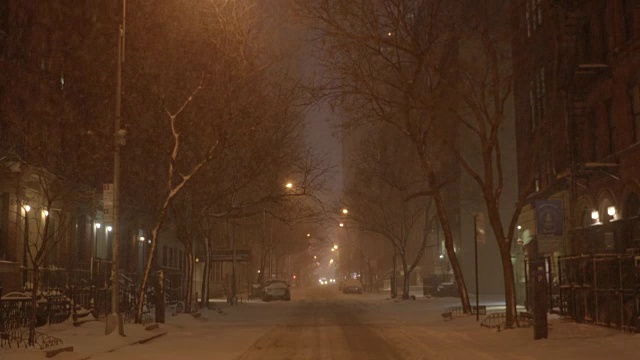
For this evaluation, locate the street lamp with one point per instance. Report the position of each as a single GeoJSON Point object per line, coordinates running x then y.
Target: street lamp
{"type": "Point", "coordinates": [341, 224]}
{"type": "Point", "coordinates": [335, 247]}
{"type": "Point", "coordinates": [109, 228]}
{"type": "Point", "coordinates": [289, 185]}
{"type": "Point", "coordinates": [345, 211]}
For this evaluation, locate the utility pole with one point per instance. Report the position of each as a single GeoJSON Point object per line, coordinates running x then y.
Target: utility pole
{"type": "Point", "coordinates": [115, 318]}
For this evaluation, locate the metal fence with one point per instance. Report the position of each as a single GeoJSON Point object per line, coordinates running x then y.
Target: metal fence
{"type": "Point", "coordinates": [601, 289]}
{"type": "Point", "coordinates": [76, 295]}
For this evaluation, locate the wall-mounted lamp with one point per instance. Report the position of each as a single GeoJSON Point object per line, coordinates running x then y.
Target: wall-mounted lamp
{"type": "Point", "coordinates": [109, 228]}
{"type": "Point", "coordinates": [98, 225]}
{"type": "Point", "coordinates": [611, 210]}
{"type": "Point", "coordinates": [141, 239]}
{"type": "Point", "coordinates": [595, 215]}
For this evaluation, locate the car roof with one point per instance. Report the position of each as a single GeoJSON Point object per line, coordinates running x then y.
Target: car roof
{"type": "Point", "coordinates": [275, 280]}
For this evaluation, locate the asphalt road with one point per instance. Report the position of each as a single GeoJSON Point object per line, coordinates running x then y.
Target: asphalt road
{"type": "Point", "coordinates": [326, 325]}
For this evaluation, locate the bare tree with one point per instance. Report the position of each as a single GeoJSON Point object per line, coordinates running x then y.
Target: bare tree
{"type": "Point", "coordinates": [384, 63]}
{"type": "Point", "coordinates": [241, 99]}
{"type": "Point", "coordinates": [46, 227]}
{"type": "Point", "coordinates": [385, 174]}
{"type": "Point", "coordinates": [483, 85]}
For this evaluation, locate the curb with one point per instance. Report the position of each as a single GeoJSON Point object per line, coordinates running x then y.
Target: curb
{"type": "Point", "coordinates": [149, 338]}
{"type": "Point", "coordinates": [144, 340]}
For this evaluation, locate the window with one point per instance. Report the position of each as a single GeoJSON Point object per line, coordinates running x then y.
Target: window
{"type": "Point", "coordinates": [592, 124]}
{"type": "Point", "coordinates": [217, 271]}
{"type": "Point", "coordinates": [533, 14]}
{"type": "Point", "coordinates": [604, 34]}
{"type": "Point", "coordinates": [164, 256]}
{"type": "Point", "coordinates": [170, 257]}
{"type": "Point", "coordinates": [537, 97]}
{"type": "Point", "coordinates": [180, 262]}
{"type": "Point", "coordinates": [610, 126]}
{"type": "Point", "coordinates": [631, 13]}
{"type": "Point", "coordinates": [4, 222]}
{"type": "Point", "coordinates": [634, 97]}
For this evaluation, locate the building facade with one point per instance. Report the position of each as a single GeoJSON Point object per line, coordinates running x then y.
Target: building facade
{"type": "Point", "coordinates": [577, 100]}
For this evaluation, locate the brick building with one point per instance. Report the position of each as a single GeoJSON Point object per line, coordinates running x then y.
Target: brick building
{"type": "Point", "coordinates": [577, 79]}
{"type": "Point", "coordinates": [52, 101]}
{"type": "Point", "coordinates": [577, 103]}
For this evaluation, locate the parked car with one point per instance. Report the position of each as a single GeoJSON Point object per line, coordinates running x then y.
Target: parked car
{"type": "Point", "coordinates": [352, 286]}
{"type": "Point", "coordinates": [276, 290]}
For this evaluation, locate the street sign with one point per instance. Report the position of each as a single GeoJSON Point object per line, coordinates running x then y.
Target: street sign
{"type": "Point", "coordinates": [107, 201]}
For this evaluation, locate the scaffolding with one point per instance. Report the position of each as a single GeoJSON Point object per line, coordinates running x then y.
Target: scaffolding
{"type": "Point", "coordinates": [602, 289]}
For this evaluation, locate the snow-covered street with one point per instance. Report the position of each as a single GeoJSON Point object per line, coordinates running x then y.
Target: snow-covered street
{"type": "Point", "coordinates": [322, 323]}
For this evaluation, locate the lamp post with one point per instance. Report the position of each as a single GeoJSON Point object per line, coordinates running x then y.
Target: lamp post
{"type": "Point", "coordinates": [25, 249]}
{"type": "Point", "coordinates": [95, 240]}
{"type": "Point", "coordinates": [140, 262]}
{"type": "Point", "coordinates": [115, 319]}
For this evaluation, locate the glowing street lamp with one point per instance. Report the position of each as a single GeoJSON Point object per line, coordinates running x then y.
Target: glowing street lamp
{"type": "Point", "coordinates": [332, 249]}
{"type": "Point", "coordinates": [289, 185]}
{"type": "Point", "coordinates": [341, 224]}
{"type": "Point", "coordinates": [335, 247]}
{"type": "Point", "coordinates": [141, 239]}
{"type": "Point", "coordinates": [345, 211]}
{"type": "Point", "coordinates": [109, 228]}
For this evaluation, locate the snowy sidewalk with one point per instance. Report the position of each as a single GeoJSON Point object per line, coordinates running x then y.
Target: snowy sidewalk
{"type": "Point", "coordinates": [429, 336]}
{"type": "Point", "coordinates": [87, 340]}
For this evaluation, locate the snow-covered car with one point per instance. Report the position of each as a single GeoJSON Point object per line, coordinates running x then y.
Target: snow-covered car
{"type": "Point", "coordinates": [352, 286]}
{"type": "Point", "coordinates": [276, 290]}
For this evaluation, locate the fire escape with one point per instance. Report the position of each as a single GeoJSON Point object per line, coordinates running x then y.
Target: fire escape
{"type": "Point", "coordinates": [580, 72]}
